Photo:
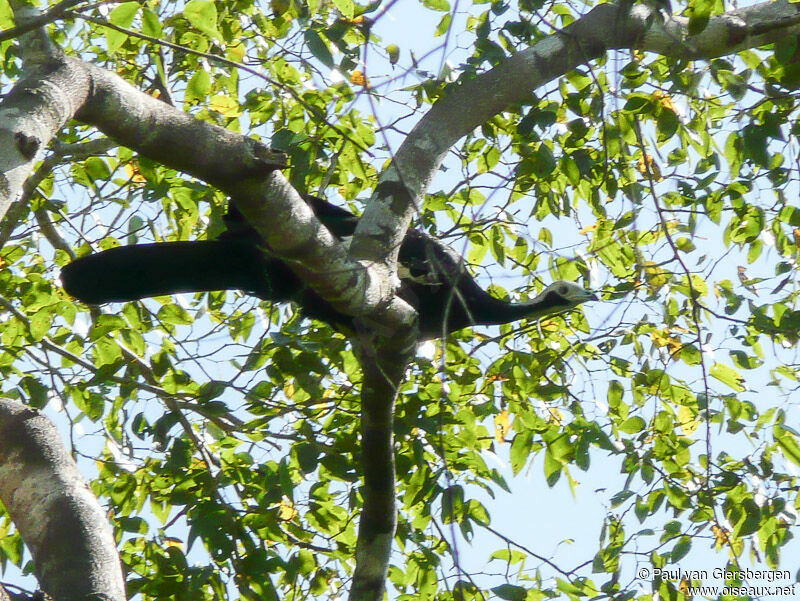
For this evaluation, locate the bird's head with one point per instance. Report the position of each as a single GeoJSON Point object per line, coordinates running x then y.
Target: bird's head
{"type": "Point", "coordinates": [565, 295]}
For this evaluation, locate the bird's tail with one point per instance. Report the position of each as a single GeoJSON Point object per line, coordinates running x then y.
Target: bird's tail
{"type": "Point", "coordinates": [133, 272]}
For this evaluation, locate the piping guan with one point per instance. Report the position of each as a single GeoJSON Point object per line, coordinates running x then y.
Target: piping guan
{"type": "Point", "coordinates": [434, 279]}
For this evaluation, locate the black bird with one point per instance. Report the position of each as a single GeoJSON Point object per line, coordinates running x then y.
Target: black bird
{"type": "Point", "coordinates": [433, 277]}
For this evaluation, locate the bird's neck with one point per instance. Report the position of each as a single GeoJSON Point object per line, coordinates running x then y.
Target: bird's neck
{"type": "Point", "coordinates": [495, 311]}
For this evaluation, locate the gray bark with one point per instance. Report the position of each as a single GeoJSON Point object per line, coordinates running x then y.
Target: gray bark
{"type": "Point", "coordinates": [57, 515]}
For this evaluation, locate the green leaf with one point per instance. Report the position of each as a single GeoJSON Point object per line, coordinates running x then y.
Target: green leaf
{"type": "Point", "coordinates": [788, 444]}
{"type": "Point", "coordinates": [744, 360]}
{"type": "Point", "coordinates": [107, 351]}
{"type": "Point", "coordinates": [151, 24]}
{"type": "Point", "coordinates": [198, 87]}
{"type": "Point", "coordinates": [728, 376]}
{"type": "Point", "coordinates": [122, 16]}
{"type": "Point", "coordinates": [174, 314]}
{"type": "Point", "coordinates": [544, 161]}
{"type": "Point", "coordinates": [699, 12]}
{"type": "Point", "coordinates": [345, 7]}
{"type": "Point", "coordinates": [632, 425]}
{"type": "Point", "coordinates": [552, 469]}
{"type": "Point", "coordinates": [306, 457]}
{"type": "Point", "coordinates": [681, 549]}
{"type": "Point", "coordinates": [440, 5]}
{"type": "Point", "coordinates": [520, 450]}
{"type": "Point", "coordinates": [202, 14]}
{"type": "Point", "coordinates": [638, 103]}
{"type": "Point", "coordinates": [478, 248]}
{"type": "Point", "coordinates": [510, 592]}
{"type": "Point", "coordinates": [37, 392]}
{"type": "Point", "coordinates": [40, 323]}
{"type": "Point", "coordinates": [750, 521]}
{"type": "Point", "coordinates": [6, 15]}
{"type": "Point", "coordinates": [733, 153]}
{"type": "Point", "coordinates": [443, 26]}
{"type": "Point", "coordinates": [97, 169]}
{"type": "Point", "coordinates": [488, 159]}
{"type": "Point", "coordinates": [11, 548]}
{"type": "Point", "coordinates": [478, 513]}
{"type": "Point", "coordinates": [318, 47]}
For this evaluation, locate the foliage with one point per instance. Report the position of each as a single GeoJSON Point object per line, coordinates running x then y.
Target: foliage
{"type": "Point", "coordinates": [223, 433]}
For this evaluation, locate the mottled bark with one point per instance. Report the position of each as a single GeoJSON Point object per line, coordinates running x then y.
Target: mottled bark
{"type": "Point", "coordinates": [57, 515]}
{"type": "Point", "coordinates": [384, 368]}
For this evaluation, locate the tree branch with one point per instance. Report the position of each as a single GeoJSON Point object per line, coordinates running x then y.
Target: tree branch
{"type": "Point", "coordinates": [384, 369]}
{"type": "Point", "coordinates": [245, 169]}
{"type": "Point", "coordinates": [57, 515]}
{"type": "Point", "coordinates": [472, 102]}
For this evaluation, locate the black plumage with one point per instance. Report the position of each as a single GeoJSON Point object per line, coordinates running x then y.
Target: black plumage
{"type": "Point", "coordinates": [433, 277]}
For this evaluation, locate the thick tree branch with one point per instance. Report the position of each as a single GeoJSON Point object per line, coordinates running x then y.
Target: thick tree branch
{"type": "Point", "coordinates": [473, 102]}
{"type": "Point", "coordinates": [384, 369]}
{"type": "Point", "coordinates": [168, 135]}
{"type": "Point", "coordinates": [241, 166]}
{"type": "Point", "coordinates": [54, 510]}
{"type": "Point", "coordinates": [245, 169]}
{"type": "Point", "coordinates": [30, 116]}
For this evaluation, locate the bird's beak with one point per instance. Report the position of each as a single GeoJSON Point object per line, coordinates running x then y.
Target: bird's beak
{"type": "Point", "coordinates": [591, 296]}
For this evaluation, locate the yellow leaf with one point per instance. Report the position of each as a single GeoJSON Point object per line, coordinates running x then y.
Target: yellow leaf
{"type": "Point", "coordinates": [134, 175]}
{"type": "Point", "coordinates": [662, 338]}
{"type": "Point", "coordinates": [501, 426]}
{"type": "Point", "coordinates": [173, 542]}
{"type": "Point", "coordinates": [720, 536]}
{"type": "Point", "coordinates": [496, 378]}
{"type": "Point", "coordinates": [224, 105]}
{"type": "Point", "coordinates": [554, 415]}
{"type": "Point", "coordinates": [589, 228]}
{"type": "Point", "coordinates": [667, 103]}
{"type": "Point", "coordinates": [288, 389]}
{"type": "Point", "coordinates": [549, 325]}
{"type": "Point", "coordinates": [687, 420]}
{"type": "Point", "coordinates": [655, 276]}
{"type": "Point", "coordinates": [647, 166]}
{"type": "Point", "coordinates": [236, 51]}
{"type": "Point", "coordinates": [658, 337]}
{"type": "Point", "coordinates": [357, 78]}
{"type": "Point", "coordinates": [286, 510]}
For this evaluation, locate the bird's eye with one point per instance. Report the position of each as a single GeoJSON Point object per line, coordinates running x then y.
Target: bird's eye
{"type": "Point", "coordinates": [563, 290]}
